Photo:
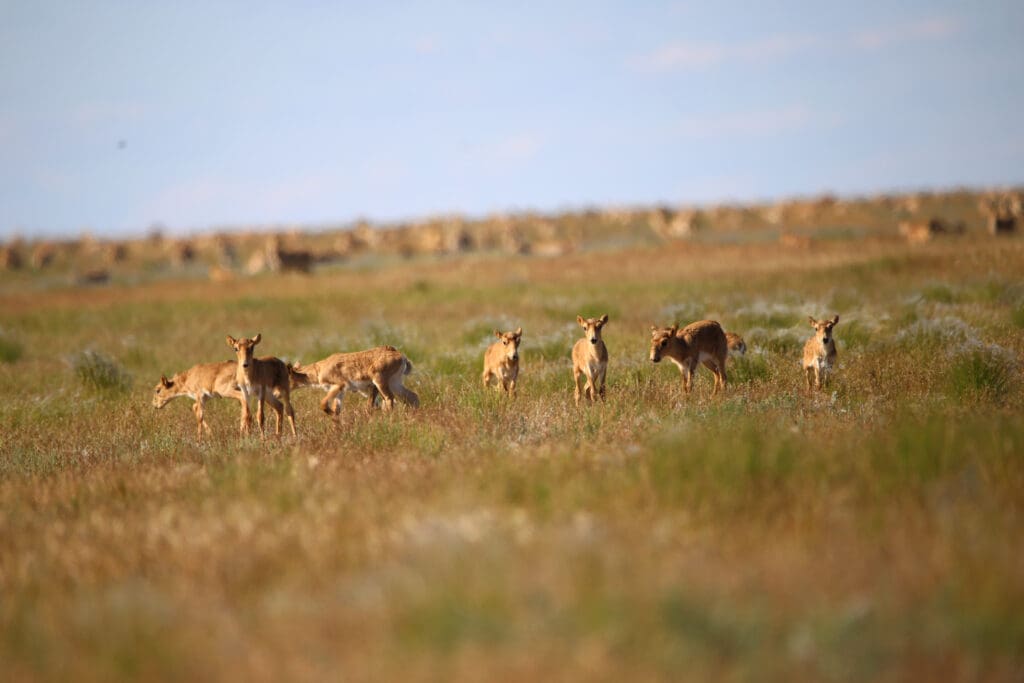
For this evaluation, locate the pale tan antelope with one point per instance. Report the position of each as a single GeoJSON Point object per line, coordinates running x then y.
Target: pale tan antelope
{"type": "Point", "coordinates": [916, 232]}
{"type": "Point", "coordinates": [590, 358]}
{"type": "Point", "coordinates": [920, 232]}
{"type": "Point", "coordinates": [266, 378]}
{"type": "Point", "coordinates": [43, 255]}
{"type": "Point", "coordinates": [501, 361]}
{"type": "Point", "coordinates": [379, 370]}
{"type": "Point", "coordinates": [820, 353]}
{"type": "Point", "coordinates": [736, 345]}
{"type": "Point", "coordinates": [201, 383]}
{"type": "Point", "coordinates": [699, 342]}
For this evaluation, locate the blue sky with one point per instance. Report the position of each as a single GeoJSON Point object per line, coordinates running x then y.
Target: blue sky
{"type": "Point", "coordinates": [234, 114]}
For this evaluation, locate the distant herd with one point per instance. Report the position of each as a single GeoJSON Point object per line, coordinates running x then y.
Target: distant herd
{"type": "Point", "coordinates": [380, 372]}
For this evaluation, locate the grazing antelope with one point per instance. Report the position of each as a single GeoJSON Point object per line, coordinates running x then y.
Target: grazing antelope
{"type": "Point", "coordinates": [736, 345]}
{"type": "Point", "coordinates": [590, 357]}
{"type": "Point", "coordinates": [201, 383]}
{"type": "Point", "coordinates": [501, 361]}
{"type": "Point", "coordinates": [920, 232]}
{"type": "Point", "coordinates": [268, 378]}
{"type": "Point", "coordinates": [820, 352]}
{"type": "Point", "coordinates": [916, 232]}
{"type": "Point", "coordinates": [279, 259]}
{"type": "Point", "coordinates": [381, 369]}
{"type": "Point", "coordinates": [699, 342]}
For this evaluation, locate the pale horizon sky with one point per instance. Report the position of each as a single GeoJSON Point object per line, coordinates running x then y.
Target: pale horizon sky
{"type": "Point", "coordinates": [115, 116]}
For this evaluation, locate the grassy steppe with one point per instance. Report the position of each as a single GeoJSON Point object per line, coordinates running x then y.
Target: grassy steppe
{"type": "Point", "coordinates": [873, 532]}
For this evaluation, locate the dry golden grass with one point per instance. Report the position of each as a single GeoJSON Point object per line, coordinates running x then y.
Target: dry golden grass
{"type": "Point", "coordinates": [868, 533]}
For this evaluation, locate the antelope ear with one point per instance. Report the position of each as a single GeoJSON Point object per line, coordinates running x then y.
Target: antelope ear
{"type": "Point", "coordinates": [581, 321]}
{"type": "Point", "coordinates": [256, 339]}
{"type": "Point", "coordinates": [604, 319]}
{"type": "Point", "coordinates": [812, 320]}
{"type": "Point", "coordinates": [497, 333]}
{"type": "Point", "coordinates": [167, 383]}
{"type": "Point", "coordinates": [835, 320]}
{"type": "Point", "coordinates": [654, 330]}
{"type": "Point", "coordinates": [674, 329]}
{"type": "Point", "coordinates": [519, 331]}
{"type": "Point", "coordinates": [231, 341]}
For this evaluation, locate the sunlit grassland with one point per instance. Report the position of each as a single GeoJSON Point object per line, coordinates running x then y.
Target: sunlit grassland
{"type": "Point", "coordinates": [870, 532]}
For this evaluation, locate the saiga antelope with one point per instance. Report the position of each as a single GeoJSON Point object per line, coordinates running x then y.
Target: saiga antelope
{"type": "Point", "coordinates": [590, 357]}
{"type": "Point", "coordinates": [200, 383]}
{"type": "Point", "coordinates": [820, 352]}
{"type": "Point", "coordinates": [280, 259]}
{"type": "Point", "coordinates": [501, 361]}
{"type": "Point", "coordinates": [699, 342]}
{"type": "Point", "coordinates": [268, 378]}
{"type": "Point", "coordinates": [380, 369]}
{"type": "Point", "coordinates": [735, 343]}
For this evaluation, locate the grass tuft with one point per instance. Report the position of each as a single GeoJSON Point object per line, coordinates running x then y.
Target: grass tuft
{"type": "Point", "coordinates": [939, 294]}
{"type": "Point", "coordinates": [748, 368]}
{"type": "Point", "coordinates": [100, 373]}
{"type": "Point", "coordinates": [1018, 316]}
{"type": "Point", "coordinates": [10, 350]}
{"type": "Point", "coordinates": [981, 374]}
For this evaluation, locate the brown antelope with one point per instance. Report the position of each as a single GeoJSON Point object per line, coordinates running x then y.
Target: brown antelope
{"type": "Point", "coordinates": [699, 342]}
{"type": "Point", "coordinates": [736, 345]}
{"type": "Point", "coordinates": [590, 358]}
{"type": "Point", "coordinates": [920, 232]}
{"type": "Point", "coordinates": [379, 370]}
{"type": "Point", "coordinates": [43, 255]}
{"type": "Point", "coordinates": [10, 257]}
{"type": "Point", "coordinates": [201, 383]}
{"type": "Point", "coordinates": [820, 352]}
{"type": "Point", "coordinates": [267, 378]}
{"type": "Point", "coordinates": [1001, 212]}
{"type": "Point", "coordinates": [501, 361]}
{"type": "Point", "coordinates": [279, 259]}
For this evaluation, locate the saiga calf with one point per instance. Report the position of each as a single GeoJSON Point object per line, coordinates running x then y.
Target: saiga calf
{"type": "Point", "coordinates": [200, 383]}
{"type": "Point", "coordinates": [501, 361]}
{"type": "Point", "coordinates": [590, 358]}
{"type": "Point", "coordinates": [380, 369]}
{"type": "Point", "coordinates": [820, 352]}
{"type": "Point", "coordinates": [267, 378]}
{"type": "Point", "coordinates": [699, 342]}
{"type": "Point", "coordinates": [737, 347]}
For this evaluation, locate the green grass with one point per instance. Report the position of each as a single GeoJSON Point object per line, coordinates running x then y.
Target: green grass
{"type": "Point", "coordinates": [982, 374]}
{"type": "Point", "coordinates": [10, 349]}
{"type": "Point", "coordinates": [1017, 316]}
{"type": "Point", "coordinates": [939, 293]}
{"type": "Point", "coordinates": [748, 368]}
{"type": "Point", "coordinates": [99, 372]}
{"type": "Point", "coordinates": [868, 532]}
